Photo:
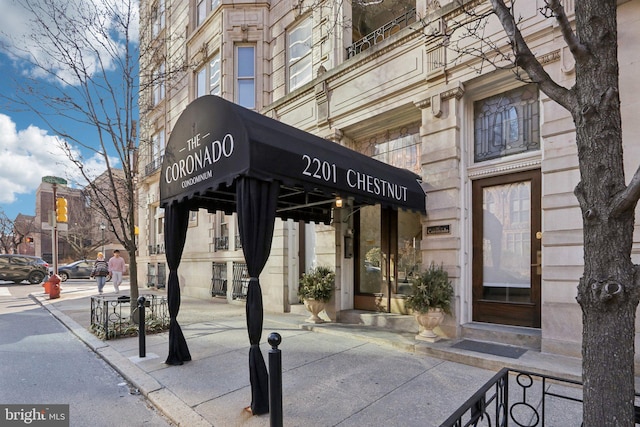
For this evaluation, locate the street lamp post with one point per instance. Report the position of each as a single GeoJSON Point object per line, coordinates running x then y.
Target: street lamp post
{"type": "Point", "coordinates": [102, 228]}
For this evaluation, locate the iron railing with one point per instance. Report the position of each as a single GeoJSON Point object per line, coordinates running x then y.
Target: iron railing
{"type": "Point", "coordinates": [111, 316]}
{"type": "Point", "coordinates": [522, 398]}
{"type": "Point", "coordinates": [382, 33]}
{"type": "Point", "coordinates": [240, 281]}
{"type": "Point", "coordinates": [156, 249]}
{"type": "Point", "coordinates": [221, 243]}
{"type": "Point", "coordinates": [218, 278]}
{"type": "Point", "coordinates": [153, 166]}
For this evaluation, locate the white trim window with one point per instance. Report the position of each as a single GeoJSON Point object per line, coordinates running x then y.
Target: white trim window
{"type": "Point", "coordinates": [246, 76]}
{"type": "Point", "coordinates": [203, 7]}
{"type": "Point", "coordinates": [299, 54]}
{"type": "Point", "coordinates": [158, 84]}
{"type": "Point", "coordinates": [158, 17]}
{"type": "Point", "coordinates": [208, 78]}
{"type": "Point", "coordinates": [157, 145]}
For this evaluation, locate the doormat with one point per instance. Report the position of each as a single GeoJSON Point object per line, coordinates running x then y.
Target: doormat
{"type": "Point", "coordinates": [491, 348]}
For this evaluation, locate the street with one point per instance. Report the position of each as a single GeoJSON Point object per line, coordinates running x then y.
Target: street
{"type": "Point", "coordinates": [42, 362]}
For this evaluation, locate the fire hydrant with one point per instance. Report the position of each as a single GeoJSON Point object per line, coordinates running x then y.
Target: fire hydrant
{"type": "Point", "coordinates": [52, 286]}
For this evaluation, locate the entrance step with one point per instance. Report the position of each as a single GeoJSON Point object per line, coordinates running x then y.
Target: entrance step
{"type": "Point", "coordinates": [391, 321]}
{"type": "Point", "coordinates": [530, 338]}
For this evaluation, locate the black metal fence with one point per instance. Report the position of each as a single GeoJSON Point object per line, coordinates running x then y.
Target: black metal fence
{"type": "Point", "coordinates": [111, 316]}
{"type": "Point", "coordinates": [522, 398]}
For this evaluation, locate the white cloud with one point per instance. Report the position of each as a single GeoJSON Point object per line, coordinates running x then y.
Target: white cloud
{"type": "Point", "coordinates": [27, 155]}
{"type": "Point", "coordinates": [87, 30]}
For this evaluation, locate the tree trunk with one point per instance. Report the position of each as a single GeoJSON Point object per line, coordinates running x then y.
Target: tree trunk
{"type": "Point", "coordinates": [607, 292]}
{"type": "Point", "coordinates": [133, 280]}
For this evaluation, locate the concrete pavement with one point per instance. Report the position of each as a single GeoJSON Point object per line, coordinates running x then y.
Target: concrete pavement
{"type": "Point", "coordinates": [333, 374]}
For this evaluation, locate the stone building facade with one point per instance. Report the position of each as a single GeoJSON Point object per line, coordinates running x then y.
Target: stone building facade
{"type": "Point", "coordinates": [497, 158]}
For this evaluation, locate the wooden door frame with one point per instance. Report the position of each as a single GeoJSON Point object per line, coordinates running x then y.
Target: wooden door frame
{"type": "Point", "coordinates": [389, 269]}
{"type": "Point", "coordinates": [509, 313]}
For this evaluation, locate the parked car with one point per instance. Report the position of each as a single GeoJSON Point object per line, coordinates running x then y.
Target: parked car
{"type": "Point", "coordinates": [76, 270]}
{"type": "Point", "coordinates": [17, 268]}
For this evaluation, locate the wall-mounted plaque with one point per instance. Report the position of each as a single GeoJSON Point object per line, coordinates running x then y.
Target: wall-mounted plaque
{"type": "Point", "coordinates": [439, 229]}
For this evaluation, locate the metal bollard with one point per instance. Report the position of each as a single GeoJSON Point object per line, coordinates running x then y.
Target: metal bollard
{"type": "Point", "coordinates": [275, 380]}
{"type": "Point", "coordinates": [141, 331]}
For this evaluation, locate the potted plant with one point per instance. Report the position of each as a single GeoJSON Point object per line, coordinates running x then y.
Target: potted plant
{"type": "Point", "coordinates": [430, 298]}
{"type": "Point", "coordinates": [315, 289]}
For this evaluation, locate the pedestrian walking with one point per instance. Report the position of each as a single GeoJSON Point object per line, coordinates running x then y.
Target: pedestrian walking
{"type": "Point", "coordinates": [116, 269]}
{"type": "Point", "coordinates": [100, 271]}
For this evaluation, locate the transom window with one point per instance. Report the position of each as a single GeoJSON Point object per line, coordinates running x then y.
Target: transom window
{"type": "Point", "coordinates": [400, 148]}
{"type": "Point", "coordinates": [208, 78]}
{"type": "Point", "coordinates": [507, 124]}
{"type": "Point", "coordinates": [299, 54]}
{"type": "Point", "coordinates": [246, 76]}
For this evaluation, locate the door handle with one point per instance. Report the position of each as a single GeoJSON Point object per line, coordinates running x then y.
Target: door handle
{"type": "Point", "coordinates": [383, 267]}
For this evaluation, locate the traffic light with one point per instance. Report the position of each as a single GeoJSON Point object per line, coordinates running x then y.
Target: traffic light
{"type": "Point", "coordinates": [29, 239]}
{"type": "Point", "coordinates": [62, 214]}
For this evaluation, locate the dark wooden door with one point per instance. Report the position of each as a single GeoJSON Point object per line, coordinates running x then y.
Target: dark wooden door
{"type": "Point", "coordinates": [507, 250]}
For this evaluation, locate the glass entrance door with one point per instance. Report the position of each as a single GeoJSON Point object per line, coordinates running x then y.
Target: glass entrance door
{"type": "Point", "coordinates": [507, 249]}
{"type": "Point", "coordinates": [388, 255]}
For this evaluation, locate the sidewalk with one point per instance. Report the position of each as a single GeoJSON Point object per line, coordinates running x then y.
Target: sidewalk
{"type": "Point", "coordinates": [333, 374]}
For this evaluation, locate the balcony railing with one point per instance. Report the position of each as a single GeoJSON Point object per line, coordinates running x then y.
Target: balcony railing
{"type": "Point", "coordinates": [221, 243]}
{"type": "Point", "coordinates": [382, 33]}
{"type": "Point", "coordinates": [527, 399]}
{"type": "Point", "coordinates": [156, 249]}
{"type": "Point", "coordinates": [153, 166]}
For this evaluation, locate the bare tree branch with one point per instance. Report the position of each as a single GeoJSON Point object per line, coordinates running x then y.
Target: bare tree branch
{"type": "Point", "coordinates": [628, 198]}
{"type": "Point", "coordinates": [527, 60]}
{"type": "Point", "coordinates": [557, 11]}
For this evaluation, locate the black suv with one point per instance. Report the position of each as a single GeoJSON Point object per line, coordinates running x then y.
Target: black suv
{"type": "Point", "coordinates": [16, 268]}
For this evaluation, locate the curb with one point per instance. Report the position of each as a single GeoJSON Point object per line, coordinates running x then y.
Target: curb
{"type": "Point", "coordinates": [165, 401]}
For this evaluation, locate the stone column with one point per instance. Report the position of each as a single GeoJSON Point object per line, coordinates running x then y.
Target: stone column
{"type": "Point", "coordinates": [443, 182]}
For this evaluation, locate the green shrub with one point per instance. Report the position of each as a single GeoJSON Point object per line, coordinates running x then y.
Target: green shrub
{"type": "Point", "coordinates": [317, 284]}
{"type": "Point", "coordinates": [430, 289]}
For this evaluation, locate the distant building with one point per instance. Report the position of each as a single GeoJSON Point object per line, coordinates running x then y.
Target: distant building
{"type": "Point", "coordinates": [85, 233]}
{"type": "Point", "coordinates": [24, 225]}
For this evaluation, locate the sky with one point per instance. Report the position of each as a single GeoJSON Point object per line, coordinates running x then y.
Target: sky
{"type": "Point", "coordinates": [29, 150]}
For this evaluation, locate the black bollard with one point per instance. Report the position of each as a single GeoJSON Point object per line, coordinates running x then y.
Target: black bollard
{"type": "Point", "coordinates": [141, 331]}
{"type": "Point", "coordinates": [275, 380]}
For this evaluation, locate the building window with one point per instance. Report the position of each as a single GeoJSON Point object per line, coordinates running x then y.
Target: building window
{"type": "Point", "coordinates": [507, 124]}
{"type": "Point", "coordinates": [400, 148]}
{"type": "Point", "coordinates": [208, 78]}
{"type": "Point", "coordinates": [299, 54]}
{"type": "Point", "coordinates": [158, 84]}
{"type": "Point", "coordinates": [157, 152]}
{"type": "Point", "coordinates": [203, 7]}
{"type": "Point", "coordinates": [246, 76]}
{"type": "Point", "coordinates": [158, 17]}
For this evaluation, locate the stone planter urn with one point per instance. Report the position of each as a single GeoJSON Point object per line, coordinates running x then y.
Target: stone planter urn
{"type": "Point", "coordinates": [428, 321]}
{"type": "Point", "coordinates": [314, 307]}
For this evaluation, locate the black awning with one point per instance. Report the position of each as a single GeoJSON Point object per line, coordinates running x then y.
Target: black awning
{"type": "Point", "coordinates": [215, 142]}
{"type": "Point", "coordinates": [221, 156]}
